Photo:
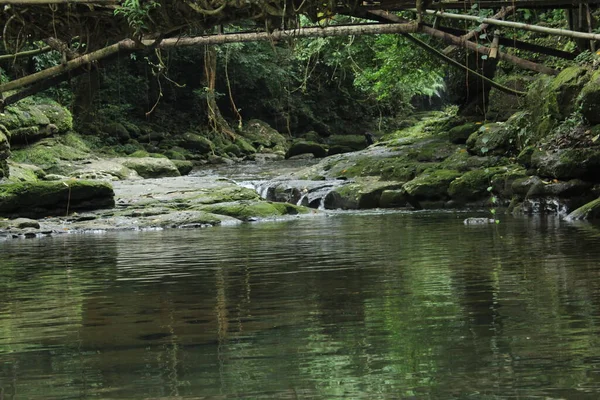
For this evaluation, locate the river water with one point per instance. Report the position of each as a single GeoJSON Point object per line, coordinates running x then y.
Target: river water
{"type": "Point", "coordinates": [353, 305]}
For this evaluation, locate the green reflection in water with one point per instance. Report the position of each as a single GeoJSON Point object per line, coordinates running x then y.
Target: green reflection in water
{"type": "Point", "coordinates": [350, 306]}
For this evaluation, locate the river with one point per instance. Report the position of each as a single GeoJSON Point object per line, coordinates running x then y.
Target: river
{"type": "Point", "coordinates": [354, 305]}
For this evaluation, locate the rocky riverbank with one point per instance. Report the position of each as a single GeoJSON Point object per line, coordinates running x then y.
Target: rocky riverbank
{"type": "Point", "coordinates": [541, 155]}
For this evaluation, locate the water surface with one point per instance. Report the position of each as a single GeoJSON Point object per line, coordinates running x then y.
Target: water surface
{"type": "Point", "coordinates": [357, 306]}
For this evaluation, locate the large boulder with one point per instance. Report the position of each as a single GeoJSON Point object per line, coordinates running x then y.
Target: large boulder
{"type": "Point", "coordinates": [41, 199]}
{"type": "Point", "coordinates": [431, 185]}
{"type": "Point", "coordinates": [568, 163]}
{"type": "Point", "coordinates": [362, 194]}
{"type": "Point", "coordinates": [150, 167]}
{"type": "Point", "coordinates": [589, 100]}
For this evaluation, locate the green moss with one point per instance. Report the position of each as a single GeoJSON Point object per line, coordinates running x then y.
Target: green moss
{"type": "Point", "coordinates": [39, 198]}
{"type": "Point", "coordinates": [245, 210]}
{"type": "Point", "coordinates": [50, 152]}
{"type": "Point", "coordinates": [355, 142]}
{"type": "Point", "coordinates": [149, 167]}
{"type": "Point", "coordinates": [195, 143]}
{"type": "Point", "coordinates": [233, 149]}
{"type": "Point", "coordinates": [260, 134]}
{"type": "Point", "coordinates": [567, 86]}
{"type": "Point", "coordinates": [175, 154]}
{"type": "Point", "coordinates": [184, 167]}
{"type": "Point", "coordinates": [589, 100]}
{"type": "Point", "coordinates": [568, 163]}
{"type": "Point", "coordinates": [493, 139]}
{"type": "Point", "coordinates": [57, 115]}
{"type": "Point", "coordinates": [244, 147]}
{"type": "Point", "coordinates": [473, 184]}
{"type": "Point", "coordinates": [431, 184]}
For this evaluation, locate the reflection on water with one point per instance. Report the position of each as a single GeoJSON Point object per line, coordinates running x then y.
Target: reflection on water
{"type": "Point", "coordinates": [394, 306]}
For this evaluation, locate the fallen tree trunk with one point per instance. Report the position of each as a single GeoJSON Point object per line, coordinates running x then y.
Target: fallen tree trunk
{"type": "Point", "coordinates": [129, 45]}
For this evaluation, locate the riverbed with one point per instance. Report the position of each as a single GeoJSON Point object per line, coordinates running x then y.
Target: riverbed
{"type": "Point", "coordinates": [393, 305]}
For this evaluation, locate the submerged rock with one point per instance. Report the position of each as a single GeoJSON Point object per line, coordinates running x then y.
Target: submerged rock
{"type": "Point", "coordinates": [40, 199]}
{"type": "Point", "coordinates": [479, 221]}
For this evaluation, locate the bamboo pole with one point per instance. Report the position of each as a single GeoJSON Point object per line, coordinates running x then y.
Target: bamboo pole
{"type": "Point", "coordinates": [471, 34]}
{"type": "Point", "coordinates": [526, 64]}
{"type": "Point", "coordinates": [517, 25]}
{"type": "Point", "coordinates": [27, 53]}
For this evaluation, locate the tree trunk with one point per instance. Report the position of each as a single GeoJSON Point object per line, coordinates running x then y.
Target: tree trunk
{"type": "Point", "coordinates": [215, 118]}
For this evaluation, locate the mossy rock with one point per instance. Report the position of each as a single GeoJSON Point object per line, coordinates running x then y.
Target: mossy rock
{"type": "Point", "coordinates": [176, 154]}
{"type": "Point", "coordinates": [362, 194]}
{"type": "Point", "coordinates": [58, 115]}
{"type": "Point", "coordinates": [260, 134]}
{"type": "Point", "coordinates": [24, 173]}
{"type": "Point", "coordinates": [589, 100]}
{"type": "Point", "coordinates": [460, 134]}
{"type": "Point", "coordinates": [502, 183]}
{"type": "Point", "coordinates": [223, 195]}
{"type": "Point", "coordinates": [40, 199]}
{"type": "Point", "coordinates": [492, 139]}
{"type": "Point", "coordinates": [116, 131]}
{"type": "Point", "coordinates": [133, 130]}
{"type": "Point", "coordinates": [588, 211]}
{"type": "Point", "coordinates": [195, 143]}
{"type": "Point", "coordinates": [232, 149]}
{"type": "Point", "coordinates": [184, 167]}
{"type": "Point", "coordinates": [567, 86]}
{"type": "Point", "coordinates": [474, 185]}
{"type": "Point", "coordinates": [149, 167]}
{"type": "Point", "coordinates": [302, 147]}
{"type": "Point", "coordinates": [244, 146]}
{"type": "Point", "coordinates": [247, 210]}
{"type": "Point", "coordinates": [53, 155]}
{"type": "Point", "coordinates": [570, 163]}
{"type": "Point", "coordinates": [431, 184]}
{"type": "Point", "coordinates": [37, 112]}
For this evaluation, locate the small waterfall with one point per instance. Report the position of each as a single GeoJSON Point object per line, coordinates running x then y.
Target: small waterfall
{"type": "Point", "coordinates": [300, 192]}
